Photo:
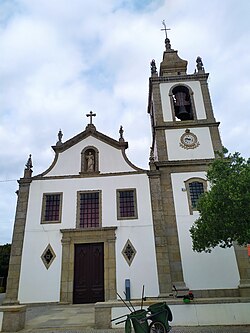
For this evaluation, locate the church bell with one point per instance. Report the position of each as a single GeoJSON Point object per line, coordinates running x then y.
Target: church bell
{"type": "Point", "coordinates": [182, 106]}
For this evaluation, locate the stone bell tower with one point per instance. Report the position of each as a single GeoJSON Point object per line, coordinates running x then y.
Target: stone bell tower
{"type": "Point", "coordinates": [184, 138]}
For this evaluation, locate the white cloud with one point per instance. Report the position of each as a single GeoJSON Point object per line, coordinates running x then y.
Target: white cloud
{"type": "Point", "coordinates": [60, 59]}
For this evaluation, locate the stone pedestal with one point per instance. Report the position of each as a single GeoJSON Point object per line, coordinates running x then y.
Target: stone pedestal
{"type": "Point", "coordinates": [13, 318]}
{"type": "Point", "coordinates": [244, 288]}
{"type": "Point", "coordinates": [103, 315]}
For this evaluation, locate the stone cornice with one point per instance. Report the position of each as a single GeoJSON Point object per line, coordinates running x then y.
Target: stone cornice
{"type": "Point", "coordinates": [90, 175]}
{"type": "Point", "coordinates": [187, 124]}
{"type": "Point", "coordinates": [24, 181]}
{"type": "Point", "coordinates": [179, 78]}
{"type": "Point", "coordinates": [184, 163]}
{"type": "Point", "coordinates": [86, 230]}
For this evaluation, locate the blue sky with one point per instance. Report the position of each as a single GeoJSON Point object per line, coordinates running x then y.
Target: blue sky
{"type": "Point", "coordinates": [60, 59]}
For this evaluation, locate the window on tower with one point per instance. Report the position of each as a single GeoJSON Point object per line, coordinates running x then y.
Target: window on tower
{"type": "Point", "coordinates": [88, 209]}
{"type": "Point", "coordinates": [195, 187]}
{"type": "Point", "coordinates": [126, 204]}
{"type": "Point", "coordinates": [51, 208]}
{"type": "Point", "coordinates": [182, 103]}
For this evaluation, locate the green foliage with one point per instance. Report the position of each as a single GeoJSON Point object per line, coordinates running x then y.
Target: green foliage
{"type": "Point", "coordinates": [4, 261]}
{"type": "Point", "coordinates": [225, 209]}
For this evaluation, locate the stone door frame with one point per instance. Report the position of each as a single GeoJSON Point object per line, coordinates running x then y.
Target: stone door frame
{"type": "Point", "coordinates": [70, 237]}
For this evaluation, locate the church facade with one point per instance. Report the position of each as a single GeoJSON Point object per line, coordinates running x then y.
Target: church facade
{"type": "Point", "coordinates": [93, 224]}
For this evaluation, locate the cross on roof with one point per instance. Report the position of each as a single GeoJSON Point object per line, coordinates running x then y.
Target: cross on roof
{"type": "Point", "coordinates": [91, 115]}
{"type": "Point", "coordinates": [165, 28]}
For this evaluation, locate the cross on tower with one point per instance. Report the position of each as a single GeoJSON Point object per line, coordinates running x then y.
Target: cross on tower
{"type": "Point", "coordinates": [165, 28]}
{"type": "Point", "coordinates": [91, 115]}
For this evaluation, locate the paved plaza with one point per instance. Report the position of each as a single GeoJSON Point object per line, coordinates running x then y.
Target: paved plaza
{"type": "Point", "coordinates": [80, 319]}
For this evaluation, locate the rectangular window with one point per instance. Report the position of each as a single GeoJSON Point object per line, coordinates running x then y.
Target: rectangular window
{"type": "Point", "coordinates": [89, 209]}
{"type": "Point", "coordinates": [126, 204]}
{"type": "Point", "coordinates": [51, 208]}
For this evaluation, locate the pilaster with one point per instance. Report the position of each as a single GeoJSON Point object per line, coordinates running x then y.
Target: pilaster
{"type": "Point", "coordinates": [165, 230]}
{"type": "Point", "coordinates": [17, 242]}
{"type": "Point", "coordinates": [162, 258]}
{"type": "Point", "coordinates": [171, 231]}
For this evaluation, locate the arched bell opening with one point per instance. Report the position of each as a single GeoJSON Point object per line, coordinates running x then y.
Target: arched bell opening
{"type": "Point", "coordinates": [182, 103]}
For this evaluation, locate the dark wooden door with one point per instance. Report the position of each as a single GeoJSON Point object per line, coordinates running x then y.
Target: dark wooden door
{"type": "Point", "coordinates": [88, 273]}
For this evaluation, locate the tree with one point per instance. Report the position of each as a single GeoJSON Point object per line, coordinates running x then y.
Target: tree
{"type": "Point", "coordinates": [4, 262]}
{"type": "Point", "coordinates": [225, 209]}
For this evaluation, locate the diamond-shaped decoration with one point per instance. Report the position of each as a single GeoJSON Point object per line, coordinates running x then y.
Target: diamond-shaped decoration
{"type": "Point", "coordinates": [48, 256]}
{"type": "Point", "coordinates": [129, 252]}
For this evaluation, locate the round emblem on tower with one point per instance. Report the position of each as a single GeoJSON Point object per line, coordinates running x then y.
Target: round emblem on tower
{"type": "Point", "coordinates": [189, 140]}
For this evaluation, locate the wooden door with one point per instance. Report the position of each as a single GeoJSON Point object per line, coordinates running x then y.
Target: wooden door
{"type": "Point", "coordinates": [88, 273]}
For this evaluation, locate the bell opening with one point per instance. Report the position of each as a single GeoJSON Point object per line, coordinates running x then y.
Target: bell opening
{"type": "Point", "coordinates": [182, 103]}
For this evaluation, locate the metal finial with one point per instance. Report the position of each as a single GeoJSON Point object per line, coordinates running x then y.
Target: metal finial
{"type": "Point", "coordinates": [167, 40]}
{"type": "Point", "coordinates": [165, 28]}
{"type": "Point", "coordinates": [91, 115]}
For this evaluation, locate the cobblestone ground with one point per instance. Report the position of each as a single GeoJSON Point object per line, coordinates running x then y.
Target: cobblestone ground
{"type": "Point", "coordinates": [204, 329]}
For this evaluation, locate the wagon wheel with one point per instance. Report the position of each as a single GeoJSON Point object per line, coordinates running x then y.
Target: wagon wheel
{"type": "Point", "coordinates": [157, 327]}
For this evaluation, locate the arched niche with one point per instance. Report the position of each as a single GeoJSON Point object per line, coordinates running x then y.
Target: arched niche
{"type": "Point", "coordinates": [90, 160]}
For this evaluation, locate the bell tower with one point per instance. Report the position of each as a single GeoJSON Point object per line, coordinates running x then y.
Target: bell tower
{"type": "Point", "coordinates": [185, 136]}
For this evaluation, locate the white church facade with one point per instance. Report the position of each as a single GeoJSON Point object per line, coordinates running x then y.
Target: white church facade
{"type": "Point", "coordinates": [93, 221]}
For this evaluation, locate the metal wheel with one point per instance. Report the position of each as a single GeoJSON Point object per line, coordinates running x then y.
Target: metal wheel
{"type": "Point", "coordinates": [157, 327]}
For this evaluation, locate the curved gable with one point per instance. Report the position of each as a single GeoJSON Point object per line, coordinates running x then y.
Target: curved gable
{"type": "Point", "coordinates": [90, 153]}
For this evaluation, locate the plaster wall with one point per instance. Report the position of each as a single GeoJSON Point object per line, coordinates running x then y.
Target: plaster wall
{"type": "Point", "coordinates": [37, 284]}
{"type": "Point", "coordinates": [194, 314]}
{"type": "Point", "coordinates": [201, 270]}
{"type": "Point", "coordinates": [110, 159]}
{"type": "Point", "coordinates": [197, 95]}
{"type": "Point", "coordinates": [176, 152]}
{"type": "Point", "coordinates": [143, 270]}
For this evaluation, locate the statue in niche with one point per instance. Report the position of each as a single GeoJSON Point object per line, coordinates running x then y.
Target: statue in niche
{"type": "Point", "coordinates": [90, 158]}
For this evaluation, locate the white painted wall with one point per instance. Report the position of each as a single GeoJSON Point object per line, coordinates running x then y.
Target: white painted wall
{"type": "Point", "coordinates": [110, 159]}
{"type": "Point", "coordinates": [37, 284]}
{"type": "Point", "coordinates": [198, 100]}
{"type": "Point", "coordinates": [201, 270]}
{"type": "Point", "coordinates": [176, 152]}
{"type": "Point", "coordinates": [194, 314]}
{"type": "Point", "coordinates": [143, 270]}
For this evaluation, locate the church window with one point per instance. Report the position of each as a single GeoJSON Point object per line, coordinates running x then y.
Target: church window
{"type": "Point", "coordinates": [51, 208]}
{"type": "Point", "coordinates": [195, 187]}
{"type": "Point", "coordinates": [126, 204]}
{"type": "Point", "coordinates": [89, 209]}
{"type": "Point", "coordinates": [182, 103]}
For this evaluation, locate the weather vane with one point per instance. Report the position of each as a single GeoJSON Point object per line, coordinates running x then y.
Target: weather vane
{"type": "Point", "coordinates": [165, 28]}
